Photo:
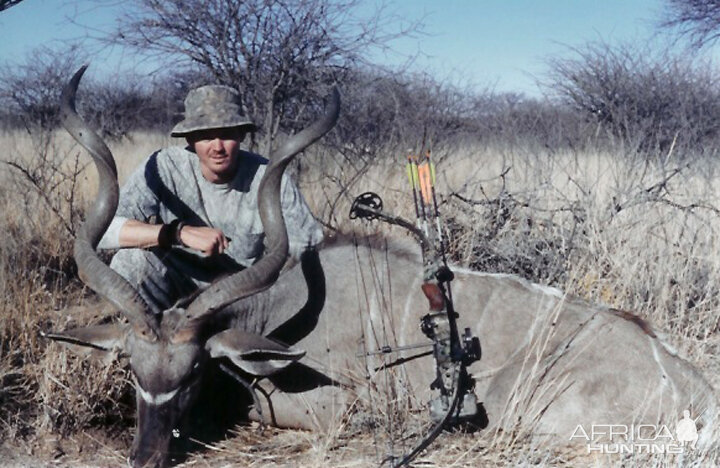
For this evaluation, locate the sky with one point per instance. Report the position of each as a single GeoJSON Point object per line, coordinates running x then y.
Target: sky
{"type": "Point", "coordinates": [498, 44]}
{"type": "Point", "coordinates": [506, 44]}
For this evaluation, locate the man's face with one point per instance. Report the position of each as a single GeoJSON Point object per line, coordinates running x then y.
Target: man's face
{"type": "Point", "coordinates": [217, 150]}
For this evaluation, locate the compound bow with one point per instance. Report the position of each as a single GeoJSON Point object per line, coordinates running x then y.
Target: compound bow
{"type": "Point", "coordinates": [455, 402]}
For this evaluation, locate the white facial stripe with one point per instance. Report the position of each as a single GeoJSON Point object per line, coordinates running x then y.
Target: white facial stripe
{"type": "Point", "coordinates": [158, 399]}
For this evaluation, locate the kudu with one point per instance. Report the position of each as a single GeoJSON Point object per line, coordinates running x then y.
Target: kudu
{"type": "Point", "coordinates": [550, 362]}
{"type": "Point", "coordinates": [168, 351]}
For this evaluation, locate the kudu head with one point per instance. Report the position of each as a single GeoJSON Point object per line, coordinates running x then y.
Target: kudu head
{"type": "Point", "coordinates": [167, 351]}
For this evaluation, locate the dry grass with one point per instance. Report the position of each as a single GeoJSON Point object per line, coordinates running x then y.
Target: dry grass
{"type": "Point", "coordinates": [606, 226]}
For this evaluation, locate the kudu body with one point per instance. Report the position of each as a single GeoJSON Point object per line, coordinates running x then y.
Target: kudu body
{"type": "Point", "coordinates": [552, 360]}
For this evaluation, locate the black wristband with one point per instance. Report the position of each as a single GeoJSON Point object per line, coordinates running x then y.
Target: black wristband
{"type": "Point", "coordinates": [176, 236]}
{"type": "Point", "coordinates": [168, 234]}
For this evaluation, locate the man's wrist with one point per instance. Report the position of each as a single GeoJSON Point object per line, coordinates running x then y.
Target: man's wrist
{"type": "Point", "coordinates": [169, 234]}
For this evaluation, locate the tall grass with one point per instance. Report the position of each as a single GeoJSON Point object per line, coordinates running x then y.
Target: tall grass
{"type": "Point", "coordinates": [609, 226]}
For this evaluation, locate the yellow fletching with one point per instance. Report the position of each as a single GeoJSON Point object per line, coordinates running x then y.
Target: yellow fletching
{"type": "Point", "coordinates": [412, 174]}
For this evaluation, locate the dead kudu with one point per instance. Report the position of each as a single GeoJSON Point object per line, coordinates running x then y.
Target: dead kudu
{"type": "Point", "coordinates": [550, 362]}
{"type": "Point", "coordinates": [168, 352]}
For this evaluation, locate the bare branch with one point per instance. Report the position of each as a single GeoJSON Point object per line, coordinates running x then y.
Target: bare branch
{"type": "Point", "coordinates": [279, 54]}
{"type": "Point", "coordinates": [650, 100]}
{"type": "Point", "coordinates": [698, 20]}
{"type": "Point", "coordinates": [5, 4]}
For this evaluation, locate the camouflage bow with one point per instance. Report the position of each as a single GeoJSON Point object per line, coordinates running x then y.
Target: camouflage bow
{"type": "Point", "coordinates": [455, 401]}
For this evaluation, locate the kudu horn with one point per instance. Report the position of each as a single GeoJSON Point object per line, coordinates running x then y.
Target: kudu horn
{"type": "Point", "coordinates": [96, 274]}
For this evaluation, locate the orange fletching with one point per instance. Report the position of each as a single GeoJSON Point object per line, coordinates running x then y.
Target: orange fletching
{"type": "Point", "coordinates": [425, 182]}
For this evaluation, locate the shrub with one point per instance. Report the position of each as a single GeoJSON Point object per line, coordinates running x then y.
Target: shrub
{"type": "Point", "coordinates": [651, 101]}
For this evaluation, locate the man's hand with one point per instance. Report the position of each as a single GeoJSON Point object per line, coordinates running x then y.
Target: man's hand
{"type": "Point", "coordinates": [208, 240]}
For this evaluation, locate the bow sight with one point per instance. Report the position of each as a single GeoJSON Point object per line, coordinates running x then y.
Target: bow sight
{"type": "Point", "coordinates": [456, 403]}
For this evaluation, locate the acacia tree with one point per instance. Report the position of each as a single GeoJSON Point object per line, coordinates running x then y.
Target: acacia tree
{"type": "Point", "coordinates": [280, 54]}
{"type": "Point", "coordinates": [699, 20]}
{"type": "Point", "coordinates": [30, 91]}
{"type": "Point", "coordinates": [30, 95]}
{"type": "Point", "coordinates": [651, 100]}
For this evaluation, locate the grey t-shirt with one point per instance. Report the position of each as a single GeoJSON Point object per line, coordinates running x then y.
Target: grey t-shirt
{"type": "Point", "coordinates": [169, 185]}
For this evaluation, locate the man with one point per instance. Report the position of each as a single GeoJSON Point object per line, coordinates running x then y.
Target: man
{"type": "Point", "coordinates": [189, 214]}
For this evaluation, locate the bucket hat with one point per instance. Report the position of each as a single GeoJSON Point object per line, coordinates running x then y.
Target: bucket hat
{"type": "Point", "coordinates": [211, 107]}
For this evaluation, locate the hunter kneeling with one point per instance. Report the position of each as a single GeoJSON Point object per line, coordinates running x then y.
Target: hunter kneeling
{"type": "Point", "coordinates": [202, 197]}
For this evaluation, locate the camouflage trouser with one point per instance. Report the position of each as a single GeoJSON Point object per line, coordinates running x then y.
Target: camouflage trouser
{"type": "Point", "coordinates": [162, 277]}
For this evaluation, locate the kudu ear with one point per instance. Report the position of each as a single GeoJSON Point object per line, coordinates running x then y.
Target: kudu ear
{"type": "Point", "coordinates": [95, 341]}
{"type": "Point", "coordinates": [254, 354]}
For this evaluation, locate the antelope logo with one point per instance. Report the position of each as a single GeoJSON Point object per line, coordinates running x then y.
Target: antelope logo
{"type": "Point", "coordinates": [687, 430]}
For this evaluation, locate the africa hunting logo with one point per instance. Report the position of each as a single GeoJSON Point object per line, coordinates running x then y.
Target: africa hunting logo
{"type": "Point", "coordinates": [639, 438]}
